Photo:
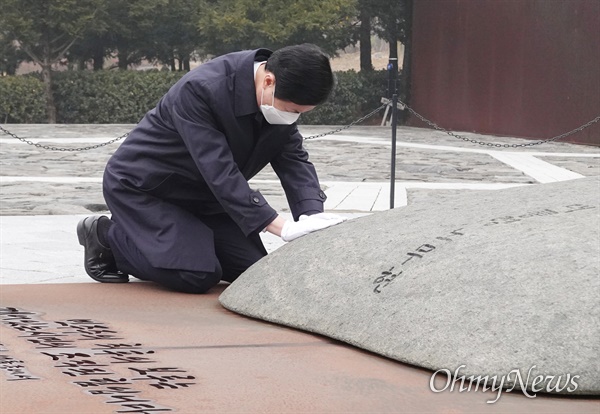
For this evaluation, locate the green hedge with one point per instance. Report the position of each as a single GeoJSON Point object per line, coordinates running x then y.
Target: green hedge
{"type": "Point", "coordinates": [114, 97]}
{"type": "Point", "coordinates": [355, 95]}
{"type": "Point", "coordinates": [22, 100]}
{"type": "Point", "coordinates": [109, 97]}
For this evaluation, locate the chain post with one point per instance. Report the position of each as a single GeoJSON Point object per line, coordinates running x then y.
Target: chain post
{"type": "Point", "coordinates": [393, 93]}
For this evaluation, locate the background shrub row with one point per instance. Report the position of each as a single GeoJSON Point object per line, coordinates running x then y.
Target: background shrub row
{"type": "Point", "coordinates": [117, 97]}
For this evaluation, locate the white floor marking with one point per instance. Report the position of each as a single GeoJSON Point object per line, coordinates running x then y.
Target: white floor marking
{"type": "Point", "coordinates": [542, 171]}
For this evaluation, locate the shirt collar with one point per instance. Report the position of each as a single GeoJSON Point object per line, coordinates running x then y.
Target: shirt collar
{"type": "Point", "coordinates": [245, 91]}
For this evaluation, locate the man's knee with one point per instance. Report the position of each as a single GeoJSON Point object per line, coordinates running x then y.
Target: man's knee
{"type": "Point", "coordinates": [185, 281]}
{"type": "Point", "coordinates": [197, 282]}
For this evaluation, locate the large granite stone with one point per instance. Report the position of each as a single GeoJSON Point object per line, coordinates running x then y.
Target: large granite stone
{"type": "Point", "coordinates": [491, 281]}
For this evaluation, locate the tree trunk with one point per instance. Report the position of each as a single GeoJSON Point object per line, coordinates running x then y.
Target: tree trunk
{"type": "Point", "coordinates": [393, 44]}
{"type": "Point", "coordinates": [186, 64]}
{"type": "Point", "coordinates": [405, 75]}
{"type": "Point", "coordinates": [365, 41]}
{"type": "Point", "coordinates": [123, 61]}
{"type": "Point", "coordinates": [172, 63]}
{"type": "Point", "coordinates": [47, 79]}
{"type": "Point", "coordinates": [11, 69]}
{"type": "Point", "coordinates": [98, 58]}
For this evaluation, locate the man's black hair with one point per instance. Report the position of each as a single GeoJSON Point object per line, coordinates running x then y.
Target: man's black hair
{"type": "Point", "coordinates": [302, 74]}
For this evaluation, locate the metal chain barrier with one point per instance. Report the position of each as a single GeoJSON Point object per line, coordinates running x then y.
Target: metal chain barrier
{"type": "Point", "coordinates": [335, 131]}
{"type": "Point", "coordinates": [51, 148]}
{"type": "Point", "coordinates": [358, 121]}
{"type": "Point", "coordinates": [491, 144]}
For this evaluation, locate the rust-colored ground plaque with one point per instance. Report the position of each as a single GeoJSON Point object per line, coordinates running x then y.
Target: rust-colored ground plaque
{"type": "Point", "coordinates": [136, 348]}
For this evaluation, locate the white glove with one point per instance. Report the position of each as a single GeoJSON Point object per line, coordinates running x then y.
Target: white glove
{"type": "Point", "coordinates": [293, 229]}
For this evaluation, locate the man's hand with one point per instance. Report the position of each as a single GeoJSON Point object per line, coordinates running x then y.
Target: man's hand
{"type": "Point", "coordinates": [307, 224]}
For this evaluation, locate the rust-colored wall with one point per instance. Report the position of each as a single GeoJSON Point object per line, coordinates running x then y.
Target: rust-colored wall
{"type": "Point", "coordinates": [525, 68]}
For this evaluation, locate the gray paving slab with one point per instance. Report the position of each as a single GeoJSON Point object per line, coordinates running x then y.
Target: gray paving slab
{"type": "Point", "coordinates": [43, 249]}
{"type": "Point", "coordinates": [361, 155]}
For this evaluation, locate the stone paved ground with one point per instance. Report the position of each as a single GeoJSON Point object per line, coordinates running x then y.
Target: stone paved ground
{"type": "Point", "coordinates": [360, 154]}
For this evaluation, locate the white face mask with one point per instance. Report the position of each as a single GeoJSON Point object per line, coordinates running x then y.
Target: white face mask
{"type": "Point", "coordinates": [273, 115]}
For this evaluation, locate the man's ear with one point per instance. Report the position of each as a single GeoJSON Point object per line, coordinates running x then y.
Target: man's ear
{"type": "Point", "coordinates": [269, 80]}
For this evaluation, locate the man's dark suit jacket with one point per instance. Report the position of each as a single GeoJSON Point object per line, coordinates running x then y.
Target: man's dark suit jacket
{"type": "Point", "coordinates": [192, 157]}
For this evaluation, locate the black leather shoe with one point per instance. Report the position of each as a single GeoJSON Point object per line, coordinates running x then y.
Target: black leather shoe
{"type": "Point", "coordinates": [99, 261]}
